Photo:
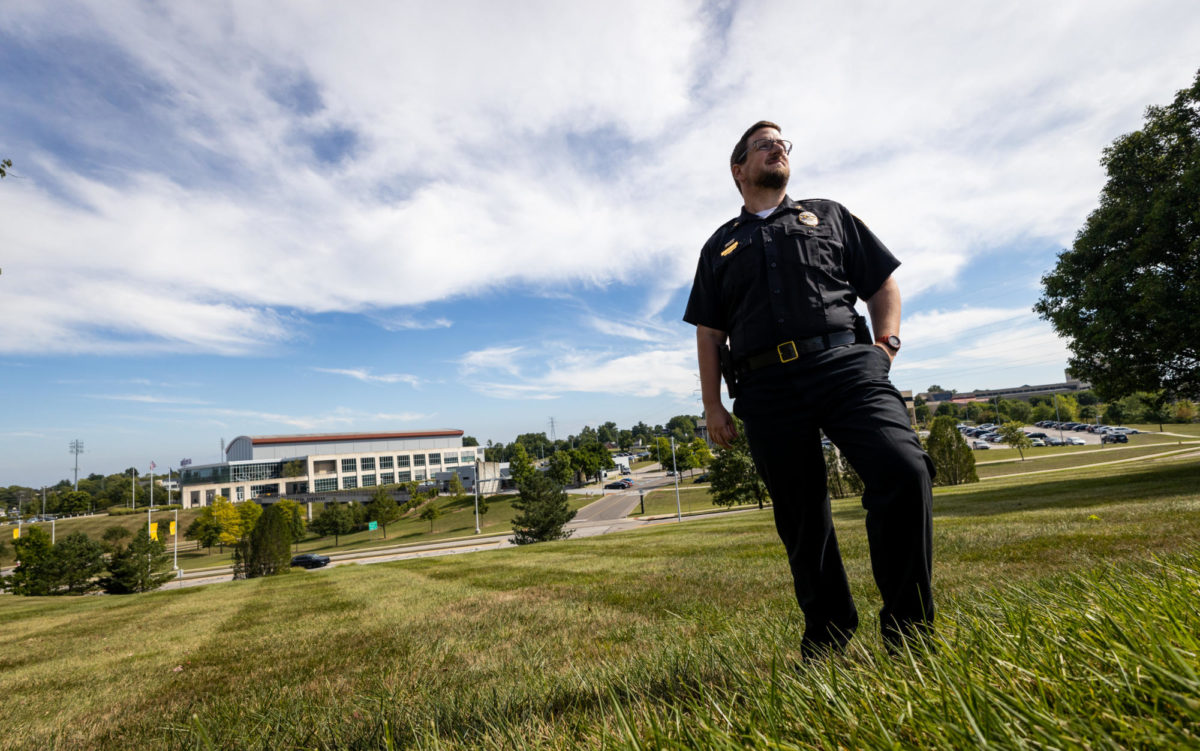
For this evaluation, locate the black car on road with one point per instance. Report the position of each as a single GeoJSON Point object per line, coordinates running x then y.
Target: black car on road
{"type": "Point", "coordinates": [1114, 438]}
{"type": "Point", "coordinates": [310, 560]}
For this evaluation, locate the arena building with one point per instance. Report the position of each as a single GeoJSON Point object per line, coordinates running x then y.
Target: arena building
{"type": "Point", "coordinates": [264, 467]}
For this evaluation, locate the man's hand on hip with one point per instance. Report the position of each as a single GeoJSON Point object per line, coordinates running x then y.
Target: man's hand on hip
{"type": "Point", "coordinates": [891, 355]}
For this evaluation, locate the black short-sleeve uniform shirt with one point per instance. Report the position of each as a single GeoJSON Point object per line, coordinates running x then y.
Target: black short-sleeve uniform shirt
{"type": "Point", "coordinates": [795, 274]}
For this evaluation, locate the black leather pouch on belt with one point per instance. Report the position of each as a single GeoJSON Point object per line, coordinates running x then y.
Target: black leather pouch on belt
{"type": "Point", "coordinates": [726, 360]}
{"type": "Point", "coordinates": [862, 334]}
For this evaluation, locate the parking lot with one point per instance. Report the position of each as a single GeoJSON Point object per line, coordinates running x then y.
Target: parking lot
{"type": "Point", "coordinates": [981, 439]}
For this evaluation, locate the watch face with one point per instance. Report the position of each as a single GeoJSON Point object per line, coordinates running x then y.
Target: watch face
{"type": "Point", "coordinates": [893, 341]}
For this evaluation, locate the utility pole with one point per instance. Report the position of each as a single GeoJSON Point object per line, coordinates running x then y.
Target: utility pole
{"type": "Point", "coordinates": [476, 484]}
{"type": "Point", "coordinates": [675, 467]}
{"type": "Point", "coordinates": [76, 448]}
{"type": "Point", "coordinates": [553, 436]}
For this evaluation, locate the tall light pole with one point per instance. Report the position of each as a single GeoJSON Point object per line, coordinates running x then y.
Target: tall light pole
{"type": "Point", "coordinates": [675, 467]}
{"type": "Point", "coordinates": [76, 448]}
{"type": "Point", "coordinates": [476, 484]}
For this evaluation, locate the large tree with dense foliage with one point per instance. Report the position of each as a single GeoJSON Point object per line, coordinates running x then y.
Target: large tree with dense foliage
{"type": "Point", "coordinates": [334, 519]}
{"type": "Point", "coordinates": [1127, 292]}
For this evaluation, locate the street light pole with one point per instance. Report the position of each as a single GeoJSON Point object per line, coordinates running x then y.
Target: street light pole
{"type": "Point", "coordinates": [476, 483]}
{"type": "Point", "coordinates": [675, 467]}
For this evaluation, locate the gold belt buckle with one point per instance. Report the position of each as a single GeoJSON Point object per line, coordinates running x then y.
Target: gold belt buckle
{"type": "Point", "coordinates": [782, 348]}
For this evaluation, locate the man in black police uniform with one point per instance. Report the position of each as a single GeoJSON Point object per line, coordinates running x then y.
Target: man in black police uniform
{"type": "Point", "coordinates": [779, 282]}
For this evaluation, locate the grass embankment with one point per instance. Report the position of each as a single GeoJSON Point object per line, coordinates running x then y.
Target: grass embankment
{"type": "Point", "coordinates": [457, 520]}
{"type": "Point", "coordinates": [1098, 455]}
{"type": "Point", "coordinates": [692, 499]}
{"type": "Point", "coordinates": [1057, 630]}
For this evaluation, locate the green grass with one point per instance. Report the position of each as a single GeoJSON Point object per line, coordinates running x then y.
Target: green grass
{"type": "Point", "coordinates": [691, 500]}
{"type": "Point", "coordinates": [1107, 453]}
{"type": "Point", "coordinates": [1187, 428]}
{"type": "Point", "coordinates": [1067, 619]}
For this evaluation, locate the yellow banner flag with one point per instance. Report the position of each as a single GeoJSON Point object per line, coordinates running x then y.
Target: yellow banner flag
{"type": "Point", "coordinates": [16, 533]}
{"type": "Point", "coordinates": [154, 531]}
{"type": "Point", "coordinates": [172, 529]}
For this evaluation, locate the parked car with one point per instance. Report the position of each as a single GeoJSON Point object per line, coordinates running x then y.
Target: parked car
{"type": "Point", "coordinates": [1076, 441]}
{"type": "Point", "coordinates": [1114, 438]}
{"type": "Point", "coordinates": [310, 560]}
{"type": "Point", "coordinates": [1037, 443]}
{"type": "Point", "coordinates": [978, 444]}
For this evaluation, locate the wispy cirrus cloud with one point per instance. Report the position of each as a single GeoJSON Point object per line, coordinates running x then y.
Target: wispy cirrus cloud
{"type": "Point", "coordinates": [366, 376]}
{"type": "Point", "coordinates": [147, 398]}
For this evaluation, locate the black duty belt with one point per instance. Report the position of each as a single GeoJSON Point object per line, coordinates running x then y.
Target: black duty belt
{"type": "Point", "coordinates": [791, 350]}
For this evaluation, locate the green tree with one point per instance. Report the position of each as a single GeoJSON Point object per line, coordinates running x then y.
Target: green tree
{"type": "Point", "coordinates": [383, 508]}
{"type": "Point", "coordinates": [75, 502]}
{"type": "Point", "coordinates": [560, 469]}
{"type": "Point", "coordinates": [624, 439]}
{"type": "Point", "coordinates": [204, 529]}
{"type": "Point", "coordinates": [922, 411]}
{"type": "Point", "coordinates": [1183, 410]}
{"type": "Point", "coordinates": [229, 521]}
{"type": "Point", "coordinates": [5, 166]}
{"type": "Point", "coordinates": [732, 476]}
{"type": "Point", "coordinates": [456, 487]}
{"type": "Point", "coordinates": [294, 468]}
{"type": "Point", "coordinates": [430, 513]}
{"type": "Point", "coordinates": [1041, 412]}
{"type": "Point", "coordinates": [949, 409]}
{"type": "Point", "coordinates": [1127, 291]}
{"type": "Point", "coordinates": [544, 512]}
{"type": "Point", "coordinates": [699, 456]}
{"type": "Point", "coordinates": [520, 468]}
{"type": "Point", "coordinates": [683, 427]}
{"type": "Point", "coordinates": [115, 536]}
{"type": "Point", "coordinates": [469, 440]}
{"type": "Point", "coordinates": [138, 567]}
{"type": "Point", "coordinates": [77, 560]}
{"type": "Point", "coordinates": [952, 457]}
{"type": "Point", "coordinates": [36, 574]}
{"type": "Point", "coordinates": [299, 529]}
{"type": "Point", "coordinates": [335, 520]}
{"type": "Point", "coordinates": [607, 433]}
{"type": "Point", "coordinates": [1014, 436]}
{"type": "Point", "coordinates": [266, 551]}
{"type": "Point", "coordinates": [248, 512]}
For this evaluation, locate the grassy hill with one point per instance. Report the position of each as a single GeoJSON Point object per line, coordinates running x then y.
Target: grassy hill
{"type": "Point", "coordinates": [1066, 616]}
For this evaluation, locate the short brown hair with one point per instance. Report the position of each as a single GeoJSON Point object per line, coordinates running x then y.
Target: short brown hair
{"type": "Point", "coordinates": [740, 149]}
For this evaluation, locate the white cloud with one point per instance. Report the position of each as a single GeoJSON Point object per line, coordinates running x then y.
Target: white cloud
{"type": "Point", "coordinates": [648, 373]}
{"type": "Point", "coordinates": [553, 144]}
{"type": "Point", "coordinates": [147, 399]}
{"type": "Point", "coordinates": [334, 419]}
{"type": "Point", "coordinates": [364, 375]}
{"type": "Point", "coordinates": [490, 359]}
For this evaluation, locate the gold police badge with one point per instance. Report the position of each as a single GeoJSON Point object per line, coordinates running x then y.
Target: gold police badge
{"type": "Point", "coordinates": [808, 218]}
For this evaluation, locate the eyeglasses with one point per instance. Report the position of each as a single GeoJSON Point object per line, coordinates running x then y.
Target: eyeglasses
{"type": "Point", "coordinates": [768, 145]}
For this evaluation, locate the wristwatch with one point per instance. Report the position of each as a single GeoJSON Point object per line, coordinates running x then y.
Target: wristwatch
{"type": "Point", "coordinates": [891, 341]}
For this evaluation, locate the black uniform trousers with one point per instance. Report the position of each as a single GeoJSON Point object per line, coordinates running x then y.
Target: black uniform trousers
{"type": "Point", "coordinates": [844, 391]}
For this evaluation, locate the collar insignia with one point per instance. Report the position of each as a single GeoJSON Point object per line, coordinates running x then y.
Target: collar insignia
{"type": "Point", "coordinates": [732, 246]}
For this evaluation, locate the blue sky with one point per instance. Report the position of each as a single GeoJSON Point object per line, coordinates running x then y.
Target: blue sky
{"type": "Point", "coordinates": [279, 217]}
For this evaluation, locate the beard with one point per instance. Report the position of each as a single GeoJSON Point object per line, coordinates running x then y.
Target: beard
{"type": "Point", "coordinates": [773, 178]}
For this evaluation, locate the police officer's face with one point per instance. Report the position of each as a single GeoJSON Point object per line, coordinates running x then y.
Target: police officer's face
{"type": "Point", "coordinates": [765, 169]}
